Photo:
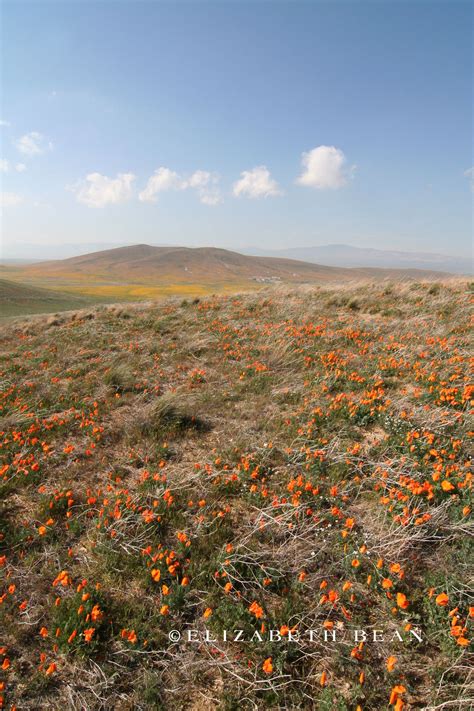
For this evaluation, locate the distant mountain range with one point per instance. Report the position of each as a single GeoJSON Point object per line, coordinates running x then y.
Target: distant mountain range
{"type": "Point", "coordinates": [344, 255]}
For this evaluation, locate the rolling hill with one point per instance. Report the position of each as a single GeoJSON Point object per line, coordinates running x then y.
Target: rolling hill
{"type": "Point", "coordinates": [144, 264]}
{"type": "Point", "coordinates": [144, 272]}
{"type": "Point", "coordinates": [18, 299]}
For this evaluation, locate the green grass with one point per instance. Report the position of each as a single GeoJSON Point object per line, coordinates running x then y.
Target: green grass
{"type": "Point", "coordinates": [18, 299]}
{"type": "Point", "coordinates": [21, 294]}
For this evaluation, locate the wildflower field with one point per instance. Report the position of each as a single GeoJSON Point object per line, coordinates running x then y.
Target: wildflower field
{"type": "Point", "coordinates": [284, 461]}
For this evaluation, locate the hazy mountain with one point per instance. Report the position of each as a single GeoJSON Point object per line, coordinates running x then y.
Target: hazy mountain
{"type": "Point", "coordinates": [40, 252]}
{"type": "Point", "coordinates": [344, 255]}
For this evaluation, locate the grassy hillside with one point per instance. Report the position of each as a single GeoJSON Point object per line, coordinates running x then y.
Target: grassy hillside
{"type": "Point", "coordinates": [143, 272]}
{"type": "Point", "coordinates": [130, 272]}
{"type": "Point", "coordinates": [65, 295]}
{"type": "Point", "coordinates": [19, 299]}
{"type": "Point", "coordinates": [287, 461]}
{"type": "Point", "coordinates": [181, 264]}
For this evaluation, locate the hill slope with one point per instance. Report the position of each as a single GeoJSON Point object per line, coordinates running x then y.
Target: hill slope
{"type": "Point", "coordinates": [287, 461]}
{"type": "Point", "coordinates": [18, 299]}
{"type": "Point", "coordinates": [144, 263]}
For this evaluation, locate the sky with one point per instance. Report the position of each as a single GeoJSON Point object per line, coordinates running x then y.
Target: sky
{"type": "Point", "coordinates": [235, 124]}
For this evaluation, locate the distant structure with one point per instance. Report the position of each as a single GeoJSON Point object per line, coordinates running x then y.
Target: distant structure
{"type": "Point", "coordinates": [266, 280]}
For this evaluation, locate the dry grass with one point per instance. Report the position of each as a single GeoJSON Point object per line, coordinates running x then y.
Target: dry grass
{"type": "Point", "coordinates": [277, 457]}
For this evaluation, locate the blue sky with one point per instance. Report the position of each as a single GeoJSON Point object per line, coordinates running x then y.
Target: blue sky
{"type": "Point", "coordinates": [231, 124]}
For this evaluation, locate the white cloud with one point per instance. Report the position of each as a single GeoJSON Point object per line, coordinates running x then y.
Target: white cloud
{"type": "Point", "coordinates": [163, 179]}
{"type": "Point", "coordinates": [5, 166]}
{"type": "Point", "coordinates": [210, 196]}
{"type": "Point", "coordinates": [324, 168]}
{"type": "Point", "coordinates": [199, 179]}
{"type": "Point", "coordinates": [206, 186]}
{"type": "Point", "coordinates": [469, 173]}
{"type": "Point", "coordinates": [98, 190]}
{"type": "Point", "coordinates": [256, 183]}
{"type": "Point", "coordinates": [33, 144]}
{"type": "Point", "coordinates": [4, 123]}
{"type": "Point", "coordinates": [10, 199]}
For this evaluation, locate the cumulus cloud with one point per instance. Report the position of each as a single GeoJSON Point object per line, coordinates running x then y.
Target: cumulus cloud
{"type": "Point", "coordinates": [206, 186]}
{"type": "Point", "coordinates": [33, 144]}
{"type": "Point", "coordinates": [325, 167]}
{"type": "Point", "coordinates": [5, 166]}
{"type": "Point", "coordinates": [469, 173]}
{"type": "Point", "coordinates": [256, 183]}
{"type": "Point", "coordinates": [210, 196]}
{"type": "Point", "coordinates": [10, 199]}
{"type": "Point", "coordinates": [98, 190]}
{"type": "Point", "coordinates": [163, 179]}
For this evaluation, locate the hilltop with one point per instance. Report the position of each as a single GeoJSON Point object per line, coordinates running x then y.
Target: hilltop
{"type": "Point", "coordinates": [291, 460]}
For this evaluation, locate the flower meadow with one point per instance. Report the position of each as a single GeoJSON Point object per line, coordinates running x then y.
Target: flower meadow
{"type": "Point", "coordinates": [282, 460]}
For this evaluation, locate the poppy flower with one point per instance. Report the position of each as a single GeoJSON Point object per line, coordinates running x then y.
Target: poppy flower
{"type": "Point", "coordinates": [89, 633]}
{"type": "Point", "coordinates": [442, 599]}
{"type": "Point", "coordinates": [51, 669]}
{"type": "Point", "coordinates": [390, 663]}
{"type": "Point", "coordinates": [96, 613]}
{"type": "Point", "coordinates": [402, 601]}
{"type": "Point", "coordinates": [256, 609]}
{"type": "Point", "coordinates": [396, 692]}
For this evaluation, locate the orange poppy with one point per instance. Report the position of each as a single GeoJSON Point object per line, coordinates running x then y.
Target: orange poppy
{"type": "Point", "coordinates": [390, 663]}
{"type": "Point", "coordinates": [267, 666]}
{"type": "Point", "coordinates": [442, 599]}
{"type": "Point", "coordinates": [402, 601]}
